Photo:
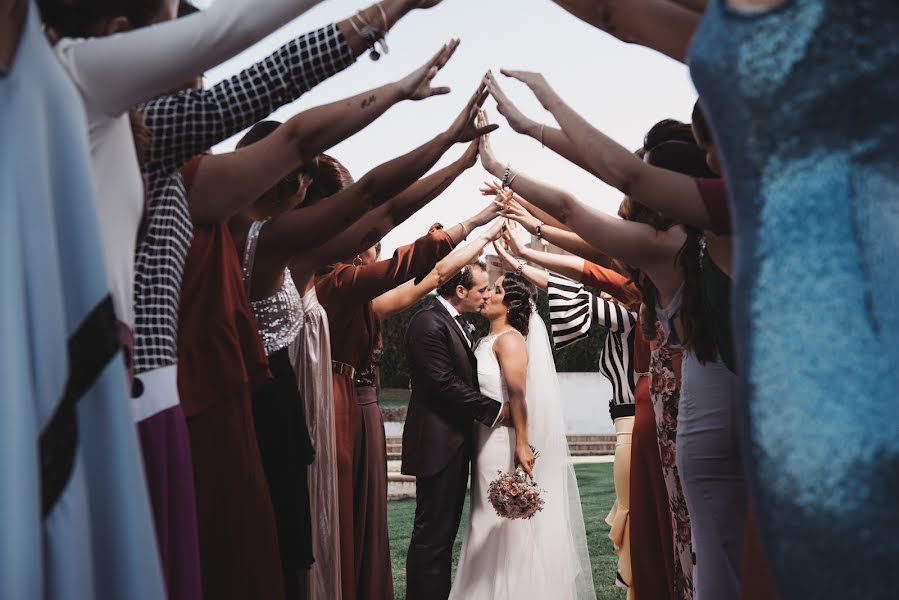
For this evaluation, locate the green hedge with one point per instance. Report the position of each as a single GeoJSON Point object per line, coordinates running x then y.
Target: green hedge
{"type": "Point", "coordinates": [580, 357]}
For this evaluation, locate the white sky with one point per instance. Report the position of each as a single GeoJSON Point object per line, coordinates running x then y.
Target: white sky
{"type": "Point", "coordinates": [622, 89]}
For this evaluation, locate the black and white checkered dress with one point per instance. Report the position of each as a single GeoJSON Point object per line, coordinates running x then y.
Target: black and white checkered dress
{"type": "Point", "coordinates": [184, 125]}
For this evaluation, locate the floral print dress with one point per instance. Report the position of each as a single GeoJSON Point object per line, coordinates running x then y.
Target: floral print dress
{"type": "Point", "coordinates": [664, 386]}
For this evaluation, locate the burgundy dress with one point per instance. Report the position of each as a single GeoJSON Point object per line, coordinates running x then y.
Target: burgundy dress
{"type": "Point", "coordinates": [346, 292]}
{"type": "Point", "coordinates": [220, 361]}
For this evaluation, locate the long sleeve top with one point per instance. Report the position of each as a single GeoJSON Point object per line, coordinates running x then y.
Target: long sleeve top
{"type": "Point", "coordinates": [184, 125]}
{"type": "Point", "coordinates": [573, 310]}
{"type": "Point", "coordinates": [346, 292]}
{"type": "Point", "coordinates": [118, 72]}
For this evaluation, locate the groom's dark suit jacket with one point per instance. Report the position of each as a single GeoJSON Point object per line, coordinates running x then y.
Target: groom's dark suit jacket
{"type": "Point", "coordinates": [445, 399]}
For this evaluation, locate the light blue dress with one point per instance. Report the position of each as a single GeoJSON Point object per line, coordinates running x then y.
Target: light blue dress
{"type": "Point", "coordinates": [804, 103]}
{"type": "Point", "coordinates": [96, 539]}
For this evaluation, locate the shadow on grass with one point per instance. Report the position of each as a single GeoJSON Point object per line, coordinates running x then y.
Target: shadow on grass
{"type": "Point", "coordinates": [597, 490]}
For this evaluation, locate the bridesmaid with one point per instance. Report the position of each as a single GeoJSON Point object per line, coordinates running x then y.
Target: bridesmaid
{"type": "Point", "coordinates": [291, 237]}
{"type": "Point", "coordinates": [76, 518]}
{"type": "Point", "coordinates": [280, 422]}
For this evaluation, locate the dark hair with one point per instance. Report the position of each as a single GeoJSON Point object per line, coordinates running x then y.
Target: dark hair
{"type": "Point", "coordinates": [465, 278]}
{"type": "Point", "coordinates": [667, 130]}
{"type": "Point", "coordinates": [328, 174]}
{"type": "Point", "coordinates": [683, 157]}
{"type": "Point", "coordinates": [518, 296]}
{"type": "Point", "coordinates": [701, 126]}
{"type": "Point", "coordinates": [79, 18]}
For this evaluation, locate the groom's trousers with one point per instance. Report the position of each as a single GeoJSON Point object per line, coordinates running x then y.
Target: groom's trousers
{"type": "Point", "coordinates": [439, 501]}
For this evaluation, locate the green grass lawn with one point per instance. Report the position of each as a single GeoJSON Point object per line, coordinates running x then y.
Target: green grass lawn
{"type": "Point", "coordinates": [597, 495]}
{"type": "Point", "coordinates": [394, 397]}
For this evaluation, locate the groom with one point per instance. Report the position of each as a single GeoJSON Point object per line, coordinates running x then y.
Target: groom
{"type": "Point", "coordinates": [439, 429]}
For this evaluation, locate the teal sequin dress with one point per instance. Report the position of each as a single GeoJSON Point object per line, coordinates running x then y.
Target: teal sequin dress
{"type": "Point", "coordinates": [804, 103]}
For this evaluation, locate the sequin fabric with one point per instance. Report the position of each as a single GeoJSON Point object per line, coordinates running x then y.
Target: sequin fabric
{"type": "Point", "coordinates": [804, 103]}
{"type": "Point", "coordinates": [280, 316]}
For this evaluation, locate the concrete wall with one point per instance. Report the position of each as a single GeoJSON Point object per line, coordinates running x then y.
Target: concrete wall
{"type": "Point", "coordinates": [585, 398]}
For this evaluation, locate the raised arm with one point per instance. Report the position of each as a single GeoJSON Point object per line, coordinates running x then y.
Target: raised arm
{"type": "Point", "coordinates": [550, 228]}
{"type": "Point", "coordinates": [404, 296]}
{"type": "Point", "coordinates": [567, 265]}
{"type": "Point", "coordinates": [117, 72]}
{"type": "Point", "coordinates": [634, 243]}
{"type": "Point", "coordinates": [662, 25]}
{"type": "Point", "coordinates": [299, 231]}
{"type": "Point", "coordinates": [512, 355]}
{"type": "Point", "coordinates": [377, 223]}
{"type": "Point", "coordinates": [225, 183]}
{"type": "Point", "coordinates": [673, 194]}
{"type": "Point", "coordinates": [538, 277]}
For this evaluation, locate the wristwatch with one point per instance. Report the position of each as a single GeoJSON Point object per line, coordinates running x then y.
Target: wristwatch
{"type": "Point", "coordinates": [538, 232]}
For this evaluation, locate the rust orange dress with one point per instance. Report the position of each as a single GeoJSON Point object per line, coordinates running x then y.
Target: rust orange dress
{"type": "Point", "coordinates": [346, 291]}
{"type": "Point", "coordinates": [220, 361]}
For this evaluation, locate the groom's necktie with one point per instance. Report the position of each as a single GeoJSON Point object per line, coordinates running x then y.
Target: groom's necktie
{"type": "Point", "coordinates": [464, 325]}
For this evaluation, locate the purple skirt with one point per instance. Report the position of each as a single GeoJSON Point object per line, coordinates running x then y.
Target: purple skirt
{"type": "Point", "coordinates": [165, 445]}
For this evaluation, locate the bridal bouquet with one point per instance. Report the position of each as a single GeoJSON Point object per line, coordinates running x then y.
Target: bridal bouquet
{"type": "Point", "coordinates": [514, 496]}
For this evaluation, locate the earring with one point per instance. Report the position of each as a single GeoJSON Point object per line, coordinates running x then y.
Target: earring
{"type": "Point", "coordinates": [357, 262]}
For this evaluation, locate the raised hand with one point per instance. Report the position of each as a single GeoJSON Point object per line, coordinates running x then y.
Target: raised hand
{"type": "Point", "coordinates": [488, 158]}
{"type": "Point", "coordinates": [536, 82]}
{"type": "Point", "coordinates": [417, 84]}
{"type": "Point", "coordinates": [516, 212]}
{"type": "Point", "coordinates": [513, 243]}
{"type": "Point", "coordinates": [464, 128]}
{"type": "Point", "coordinates": [496, 228]}
{"type": "Point", "coordinates": [470, 156]}
{"type": "Point", "coordinates": [517, 121]}
{"type": "Point", "coordinates": [508, 261]}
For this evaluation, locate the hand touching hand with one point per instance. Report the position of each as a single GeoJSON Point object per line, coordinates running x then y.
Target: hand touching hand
{"type": "Point", "coordinates": [536, 82]}
{"type": "Point", "coordinates": [470, 156]}
{"type": "Point", "coordinates": [488, 158]}
{"type": "Point", "coordinates": [496, 228]}
{"type": "Point", "coordinates": [464, 127]}
{"type": "Point", "coordinates": [509, 261]}
{"type": "Point", "coordinates": [524, 458]}
{"type": "Point", "coordinates": [514, 244]}
{"type": "Point", "coordinates": [516, 212]}
{"type": "Point", "coordinates": [417, 84]}
{"type": "Point", "coordinates": [517, 121]}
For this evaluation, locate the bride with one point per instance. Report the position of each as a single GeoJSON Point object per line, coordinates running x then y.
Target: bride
{"type": "Point", "coordinates": [546, 556]}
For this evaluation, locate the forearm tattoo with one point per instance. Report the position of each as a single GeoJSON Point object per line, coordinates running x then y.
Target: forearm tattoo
{"type": "Point", "coordinates": [368, 101]}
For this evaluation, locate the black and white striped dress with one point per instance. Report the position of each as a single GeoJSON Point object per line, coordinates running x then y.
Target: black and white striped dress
{"type": "Point", "coordinates": [573, 309]}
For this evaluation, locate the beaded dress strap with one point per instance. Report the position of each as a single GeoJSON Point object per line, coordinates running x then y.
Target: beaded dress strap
{"type": "Point", "coordinates": [249, 253]}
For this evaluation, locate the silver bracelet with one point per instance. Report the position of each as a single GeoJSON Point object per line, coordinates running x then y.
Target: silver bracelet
{"type": "Point", "coordinates": [505, 182]}
{"type": "Point", "coordinates": [464, 230]}
{"type": "Point", "coordinates": [520, 267]}
{"type": "Point", "coordinates": [542, 127]}
{"type": "Point", "coordinates": [383, 16]}
{"type": "Point", "coordinates": [512, 178]}
{"type": "Point", "coordinates": [373, 35]}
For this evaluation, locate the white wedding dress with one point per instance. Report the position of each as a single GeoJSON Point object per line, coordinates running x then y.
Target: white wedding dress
{"type": "Point", "coordinates": [545, 557]}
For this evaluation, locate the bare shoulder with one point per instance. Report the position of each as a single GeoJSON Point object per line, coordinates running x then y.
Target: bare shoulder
{"type": "Point", "coordinates": [511, 345]}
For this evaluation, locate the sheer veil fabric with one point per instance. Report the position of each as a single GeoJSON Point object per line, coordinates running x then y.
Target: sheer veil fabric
{"type": "Point", "coordinates": [560, 554]}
